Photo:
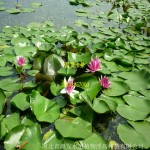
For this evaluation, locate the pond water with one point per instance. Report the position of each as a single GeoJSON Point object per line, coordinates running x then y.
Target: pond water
{"type": "Point", "coordinates": [57, 11]}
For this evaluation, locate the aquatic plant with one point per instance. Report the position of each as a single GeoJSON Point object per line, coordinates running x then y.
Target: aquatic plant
{"type": "Point", "coordinates": [36, 113]}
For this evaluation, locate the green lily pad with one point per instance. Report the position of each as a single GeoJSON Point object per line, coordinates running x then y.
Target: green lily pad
{"type": "Point", "coordinates": [2, 8]}
{"type": "Point", "coordinates": [137, 80]}
{"type": "Point", "coordinates": [44, 109]}
{"type": "Point", "coordinates": [20, 101]}
{"type": "Point", "coordinates": [2, 100]}
{"type": "Point", "coordinates": [117, 88]}
{"type": "Point", "coordinates": [81, 23]}
{"type": "Point", "coordinates": [8, 123]}
{"type": "Point", "coordinates": [67, 71]}
{"type": "Point", "coordinates": [6, 71]}
{"type": "Point", "coordinates": [52, 64]}
{"type": "Point", "coordinates": [33, 72]}
{"type": "Point", "coordinates": [32, 137]}
{"type": "Point", "coordinates": [10, 84]}
{"type": "Point", "coordinates": [20, 40]}
{"type": "Point", "coordinates": [94, 141]}
{"type": "Point", "coordinates": [135, 136]}
{"type": "Point", "coordinates": [13, 11]}
{"type": "Point", "coordinates": [91, 90]}
{"type": "Point", "coordinates": [73, 127]}
{"type": "Point", "coordinates": [26, 10]}
{"type": "Point", "coordinates": [36, 5]}
{"type": "Point", "coordinates": [137, 108]}
{"type": "Point", "coordinates": [9, 142]}
{"type": "Point", "coordinates": [55, 88]}
{"type": "Point", "coordinates": [73, 57]}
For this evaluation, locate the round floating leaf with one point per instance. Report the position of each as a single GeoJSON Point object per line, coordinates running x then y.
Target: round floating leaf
{"type": "Point", "coordinates": [60, 101]}
{"type": "Point", "coordinates": [73, 127]}
{"type": "Point", "coordinates": [51, 138]}
{"type": "Point", "coordinates": [20, 40]}
{"type": "Point", "coordinates": [73, 57]}
{"type": "Point", "coordinates": [55, 88]}
{"type": "Point", "coordinates": [94, 141]}
{"type": "Point", "coordinates": [93, 88]}
{"type": "Point", "coordinates": [36, 5]}
{"type": "Point", "coordinates": [44, 109]}
{"type": "Point", "coordinates": [10, 84]}
{"type": "Point", "coordinates": [2, 100]}
{"type": "Point", "coordinates": [31, 138]}
{"type": "Point", "coordinates": [2, 8]}
{"type": "Point", "coordinates": [146, 93]}
{"type": "Point", "coordinates": [13, 11]}
{"type": "Point", "coordinates": [8, 123]}
{"type": "Point", "coordinates": [20, 101]}
{"type": "Point", "coordinates": [104, 104]}
{"type": "Point", "coordinates": [11, 142]}
{"type": "Point", "coordinates": [138, 136]}
{"type": "Point", "coordinates": [6, 71]}
{"type": "Point", "coordinates": [137, 80]}
{"type": "Point", "coordinates": [38, 62]}
{"type": "Point", "coordinates": [67, 71]}
{"type": "Point", "coordinates": [81, 23]}
{"type": "Point", "coordinates": [25, 51]}
{"type": "Point", "coordinates": [138, 102]}
{"type": "Point", "coordinates": [33, 72]}
{"type": "Point", "coordinates": [26, 10]}
{"type": "Point", "coordinates": [52, 64]}
{"type": "Point", "coordinates": [131, 112]}
{"type": "Point", "coordinates": [29, 120]}
{"type": "Point", "coordinates": [117, 88]}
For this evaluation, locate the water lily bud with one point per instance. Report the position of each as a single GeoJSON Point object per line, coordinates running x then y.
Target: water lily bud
{"type": "Point", "coordinates": [94, 65]}
{"type": "Point", "coordinates": [20, 60]}
{"type": "Point", "coordinates": [105, 83]}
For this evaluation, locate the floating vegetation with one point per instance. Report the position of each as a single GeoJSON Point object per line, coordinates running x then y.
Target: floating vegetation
{"type": "Point", "coordinates": [42, 103]}
{"type": "Point", "coordinates": [18, 8]}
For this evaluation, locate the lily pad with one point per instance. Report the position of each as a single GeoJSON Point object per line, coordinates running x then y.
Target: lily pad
{"type": "Point", "coordinates": [52, 64]}
{"type": "Point", "coordinates": [26, 10]}
{"type": "Point", "coordinates": [8, 123]}
{"type": "Point", "coordinates": [91, 90]}
{"type": "Point", "coordinates": [13, 11]}
{"type": "Point", "coordinates": [94, 141]}
{"type": "Point", "coordinates": [6, 71]}
{"type": "Point", "coordinates": [135, 136]}
{"type": "Point", "coordinates": [36, 5]}
{"type": "Point", "coordinates": [73, 127]}
{"type": "Point", "coordinates": [137, 80]}
{"type": "Point", "coordinates": [44, 109]}
{"type": "Point", "coordinates": [2, 8]}
{"type": "Point", "coordinates": [20, 101]}
{"type": "Point", "coordinates": [117, 88]}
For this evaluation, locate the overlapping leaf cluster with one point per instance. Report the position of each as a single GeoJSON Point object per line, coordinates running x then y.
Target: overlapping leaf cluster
{"type": "Point", "coordinates": [122, 46]}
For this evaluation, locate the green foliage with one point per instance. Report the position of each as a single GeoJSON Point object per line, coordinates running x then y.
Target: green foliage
{"type": "Point", "coordinates": [31, 102]}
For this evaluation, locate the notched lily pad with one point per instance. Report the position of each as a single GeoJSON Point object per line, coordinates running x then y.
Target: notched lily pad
{"type": "Point", "coordinates": [13, 11]}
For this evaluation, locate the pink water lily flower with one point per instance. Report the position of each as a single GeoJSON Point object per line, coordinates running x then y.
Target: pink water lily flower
{"type": "Point", "coordinates": [94, 65]}
{"type": "Point", "coordinates": [20, 60]}
{"type": "Point", "coordinates": [104, 81]}
{"type": "Point", "coordinates": [69, 88]}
